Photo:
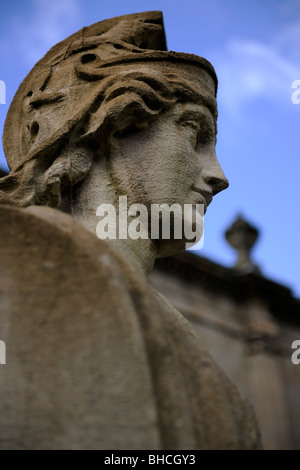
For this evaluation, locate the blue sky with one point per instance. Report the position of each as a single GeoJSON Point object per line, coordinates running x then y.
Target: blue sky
{"type": "Point", "coordinates": [255, 49]}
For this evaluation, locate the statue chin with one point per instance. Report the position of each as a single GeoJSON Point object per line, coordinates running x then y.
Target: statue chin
{"type": "Point", "coordinates": [173, 246]}
{"type": "Point", "coordinates": [170, 247]}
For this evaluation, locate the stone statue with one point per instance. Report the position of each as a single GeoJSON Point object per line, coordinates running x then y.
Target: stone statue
{"type": "Point", "coordinates": [96, 359]}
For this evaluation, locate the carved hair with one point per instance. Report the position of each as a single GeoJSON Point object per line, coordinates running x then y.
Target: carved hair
{"type": "Point", "coordinates": [130, 100]}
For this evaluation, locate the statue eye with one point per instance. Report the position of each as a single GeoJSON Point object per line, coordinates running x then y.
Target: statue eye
{"type": "Point", "coordinates": [194, 127]}
{"type": "Point", "coordinates": [201, 132]}
{"type": "Point", "coordinates": [205, 134]}
{"type": "Point", "coordinates": [202, 128]}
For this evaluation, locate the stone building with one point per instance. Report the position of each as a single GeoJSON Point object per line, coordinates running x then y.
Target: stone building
{"type": "Point", "coordinates": [248, 323]}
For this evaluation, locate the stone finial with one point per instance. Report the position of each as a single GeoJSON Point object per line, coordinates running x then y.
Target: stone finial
{"type": "Point", "coordinates": [242, 236]}
{"type": "Point", "coordinates": [107, 112]}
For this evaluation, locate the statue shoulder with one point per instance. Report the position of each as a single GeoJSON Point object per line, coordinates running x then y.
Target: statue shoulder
{"type": "Point", "coordinates": [40, 241]}
{"type": "Point", "coordinates": [41, 223]}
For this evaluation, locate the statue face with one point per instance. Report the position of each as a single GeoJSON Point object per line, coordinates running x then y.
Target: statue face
{"type": "Point", "coordinates": [172, 161]}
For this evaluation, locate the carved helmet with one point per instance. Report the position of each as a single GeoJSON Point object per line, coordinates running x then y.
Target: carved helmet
{"type": "Point", "coordinates": [66, 87]}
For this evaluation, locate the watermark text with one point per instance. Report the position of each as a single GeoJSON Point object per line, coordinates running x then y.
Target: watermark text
{"type": "Point", "coordinates": [2, 92]}
{"type": "Point", "coordinates": [160, 222]}
{"type": "Point", "coordinates": [2, 352]}
{"type": "Point", "coordinates": [296, 354]}
{"type": "Point", "coordinates": [296, 93]}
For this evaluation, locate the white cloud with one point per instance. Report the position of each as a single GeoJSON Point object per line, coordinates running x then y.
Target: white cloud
{"type": "Point", "coordinates": [251, 70]}
{"type": "Point", "coordinates": [288, 39]}
{"type": "Point", "coordinates": [47, 25]}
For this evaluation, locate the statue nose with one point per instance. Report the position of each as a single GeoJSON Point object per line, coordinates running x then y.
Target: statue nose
{"type": "Point", "coordinates": [216, 183]}
{"type": "Point", "coordinates": [213, 174]}
{"type": "Point", "coordinates": [215, 178]}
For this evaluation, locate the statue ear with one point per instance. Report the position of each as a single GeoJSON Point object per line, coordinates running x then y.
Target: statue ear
{"type": "Point", "coordinates": [132, 126]}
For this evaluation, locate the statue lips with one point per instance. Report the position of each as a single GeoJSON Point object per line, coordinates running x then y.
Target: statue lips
{"type": "Point", "coordinates": [206, 197]}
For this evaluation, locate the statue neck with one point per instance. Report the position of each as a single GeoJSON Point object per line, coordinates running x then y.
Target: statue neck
{"type": "Point", "coordinates": [98, 189]}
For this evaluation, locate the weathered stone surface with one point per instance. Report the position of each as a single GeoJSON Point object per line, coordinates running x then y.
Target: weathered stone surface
{"type": "Point", "coordinates": [95, 357]}
{"type": "Point", "coordinates": [247, 322]}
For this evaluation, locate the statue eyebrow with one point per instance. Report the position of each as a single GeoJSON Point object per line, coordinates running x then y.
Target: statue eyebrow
{"type": "Point", "coordinates": [196, 116]}
{"type": "Point", "coordinates": [204, 98]}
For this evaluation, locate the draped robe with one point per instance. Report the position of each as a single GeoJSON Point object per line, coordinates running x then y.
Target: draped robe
{"type": "Point", "coordinates": [95, 357]}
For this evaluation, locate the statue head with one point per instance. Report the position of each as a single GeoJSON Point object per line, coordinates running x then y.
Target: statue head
{"type": "Point", "coordinates": [93, 91]}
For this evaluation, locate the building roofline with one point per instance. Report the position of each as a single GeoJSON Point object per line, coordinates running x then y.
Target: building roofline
{"type": "Point", "coordinates": [240, 286]}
